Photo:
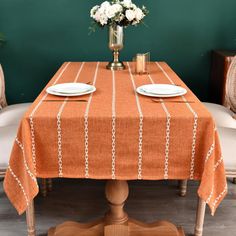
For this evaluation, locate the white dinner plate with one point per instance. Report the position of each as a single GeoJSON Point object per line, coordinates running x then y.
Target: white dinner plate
{"type": "Point", "coordinates": [71, 89]}
{"type": "Point", "coordinates": [161, 90]}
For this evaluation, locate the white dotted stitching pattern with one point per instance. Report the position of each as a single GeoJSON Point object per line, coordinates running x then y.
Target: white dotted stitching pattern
{"type": "Point", "coordinates": [140, 146]}
{"type": "Point", "coordinates": [206, 159]}
{"type": "Point", "coordinates": [195, 126]}
{"type": "Point", "coordinates": [218, 163]}
{"type": "Point", "coordinates": [168, 124]}
{"type": "Point", "coordinates": [33, 143]}
{"type": "Point", "coordinates": [113, 126]}
{"type": "Point", "coordinates": [59, 139]}
{"type": "Point", "coordinates": [86, 127]}
{"type": "Point", "coordinates": [25, 163]}
{"type": "Point", "coordinates": [210, 196]}
{"type": "Point", "coordinates": [210, 152]}
{"type": "Point", "coordinates": [59, 130]}
{"type": "Point", "coordinates": [33, 146]}
{"type": "Point", "coordinates": [86, 146]}
{"type": "Point", "coordinates": [194, 144]}
{"type": "Point", "coordinates": [19, 183]}
{"type": "Point", "coordinates": [219, 197]}
{"type": "Point", "coordinates": [163, 71]}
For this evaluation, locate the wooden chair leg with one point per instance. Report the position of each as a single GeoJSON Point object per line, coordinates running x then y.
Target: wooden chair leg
{"type": "Point", "coordinates": [49, 184]}
{"type": "Point", "coordinates": [200, 217]}
{"type": "Point", "coordinates": [183, 187]}
{"type": "Point", "coordinates": [30, 219]}
{"type": "Point", "coordinates": [44, 187]}
{"type": "Point", "coordinates": [234, 180]}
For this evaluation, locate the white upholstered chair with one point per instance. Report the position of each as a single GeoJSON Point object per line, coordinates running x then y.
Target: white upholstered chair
{"type": "Point", "coordinates": [10, 117]}
{"type": "Point", "coordinates": [226, 116]}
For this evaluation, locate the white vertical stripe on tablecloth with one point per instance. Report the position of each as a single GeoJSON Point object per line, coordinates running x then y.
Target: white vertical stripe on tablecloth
{"type": "Point", "coordinates": [168, 126]}
{"type": "Point", "coordinates": [86, 126]}
{"type": "Point", "coordinates": [140, 147]}
{"type": "Point", "coordinates": [25, 163]}
{"type": "Point", "coordinates": [20, 184]}
{"type": "Point", "coordinates": [33, 145]}
{"type": "Point", "coordinates": [195, 125]}
{"type": "Point", "coordinates": [164, 72]}
{"type": "Point", "coordinates": [209, 153]}
{"type": "Point", "coordinates": [59, 140]}
{"type": "Point", "coordinates": [59, 130]}
{"type": "Point", "coordinates": [218, 163]}
{"type": "Point", "coordinates": [211, 194]}
{"type": "Point", "coordinates": [219, 197]}
{"type": "Point", "coordinates": [113, 125]}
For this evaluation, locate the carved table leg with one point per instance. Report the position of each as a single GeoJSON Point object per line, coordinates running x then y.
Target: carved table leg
{"type": "Point", "coordinates": [200, 217]}
{"type": "Point", "coordinates": [116, 221]}
{"type": "Point", "coordinates": [30, 220]}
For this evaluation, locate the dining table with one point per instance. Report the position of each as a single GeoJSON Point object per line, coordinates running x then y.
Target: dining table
{"type": "Point", "coordinates": [116, 134]}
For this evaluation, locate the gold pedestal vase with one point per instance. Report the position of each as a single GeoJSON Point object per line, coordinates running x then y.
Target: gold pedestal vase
{"type": "Point", "coordinates": [116, 43]}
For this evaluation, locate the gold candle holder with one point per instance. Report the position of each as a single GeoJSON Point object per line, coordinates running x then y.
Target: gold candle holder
{"type": "Point", "coordinates": [141, 63]}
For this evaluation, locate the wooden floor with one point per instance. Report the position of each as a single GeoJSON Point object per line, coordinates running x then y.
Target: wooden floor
{"type": "Point", "coordinates": [83, 200]}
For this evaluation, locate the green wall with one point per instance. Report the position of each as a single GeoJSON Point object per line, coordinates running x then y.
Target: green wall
{"type": "Point", "coordinates": [42, 34]}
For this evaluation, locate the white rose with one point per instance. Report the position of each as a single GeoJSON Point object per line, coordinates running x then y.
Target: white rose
{"type": "Point", "coordinates": [139, 14]}
{"type": "Point", "coordinates": [133, 6]}
{"type": "Point", "coordinates": [110, 13]}
{"type": "Point", "coordinates": [93, 10]}
{"type": "Point", "coordinates": [113, 10]}
{"type": "Point", "coordinates": [130, 15]}
{"type": "Point", "coordinates": [105, 5]}
{"type": "Point", "coordinates": [97, 16]}
{"type": "Point", "coordinates": [117, 7]}
{"type": "Point", "coordinates": [127, 3]}
{"type": "Point", "coordinates": [100, 17]}
{"type": "Point", "coordinates": [103, 19]}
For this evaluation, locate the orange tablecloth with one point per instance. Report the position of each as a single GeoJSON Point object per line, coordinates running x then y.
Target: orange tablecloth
{"type": "Point", "coordinates": [117, 134]}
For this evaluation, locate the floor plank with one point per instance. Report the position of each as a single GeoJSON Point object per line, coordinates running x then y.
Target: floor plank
{"type": "Point", "coordinates": [83, 200]}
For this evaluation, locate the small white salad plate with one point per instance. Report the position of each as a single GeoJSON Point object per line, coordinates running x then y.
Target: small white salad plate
{"type": "Point", "coordinates": [71, 89]}
{"type": "Point", "coordinates": [161, 90]}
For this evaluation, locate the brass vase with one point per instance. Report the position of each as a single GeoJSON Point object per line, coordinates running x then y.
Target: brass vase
{"type": "Point", "coordinates": [116, 39]}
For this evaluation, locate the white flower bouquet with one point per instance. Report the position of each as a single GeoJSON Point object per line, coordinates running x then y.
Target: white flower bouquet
{"type": "Point", "coordinates": [117, 12]}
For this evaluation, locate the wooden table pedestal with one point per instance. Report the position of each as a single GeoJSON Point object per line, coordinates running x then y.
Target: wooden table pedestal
{"type": "Point", "coordinates": [116, 221]}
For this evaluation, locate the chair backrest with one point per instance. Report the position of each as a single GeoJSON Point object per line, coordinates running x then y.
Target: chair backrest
{"type": "Point", "coordinates": [231, 86]}
{"type": "Point", "coordinates": [3, 101]}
